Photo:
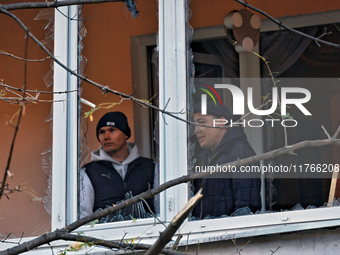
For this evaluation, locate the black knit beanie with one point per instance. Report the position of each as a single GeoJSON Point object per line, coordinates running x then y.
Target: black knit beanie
{"type": "Point", "coordinates": [114, 119]}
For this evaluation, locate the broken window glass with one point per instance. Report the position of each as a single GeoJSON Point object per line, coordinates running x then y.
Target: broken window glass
{"type": "Point", "coordinates": [300, 59]}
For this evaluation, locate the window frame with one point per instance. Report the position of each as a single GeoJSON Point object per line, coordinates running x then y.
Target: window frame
{"type": "Point", "coordinates": [65, 120]}
{"type": "Point", "coordinates": [63, 174]}
{"type": "Point", "coordinates": [261, 224]}
{"type": "Point", "coordinates": [61, 113]}
{"type": "Point", "coordinates": [203, 231]}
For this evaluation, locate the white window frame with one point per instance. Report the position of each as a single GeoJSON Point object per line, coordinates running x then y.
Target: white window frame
{"type": "Point", "coordinates": [175, 89]}
{"type": "Point", "coordinates": [65, 123]}
{"type": "Point", "coordinates": [252, 225]}
{"type": "Point", "coordinates": [146, 229]}
{"type": "Point", "coordinates": [173, 139]}
{"type": "Point", "coordinates": [172, 80]}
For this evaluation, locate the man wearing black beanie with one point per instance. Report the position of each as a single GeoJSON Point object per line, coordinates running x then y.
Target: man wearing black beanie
{"type": "Point", "coordinates": [222, 196]}
{"type": "Point", "coordinates": [116, 171]}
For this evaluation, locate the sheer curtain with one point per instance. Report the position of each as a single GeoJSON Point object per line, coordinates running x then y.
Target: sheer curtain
{"type": "Point", "coordinates": [282, 49]}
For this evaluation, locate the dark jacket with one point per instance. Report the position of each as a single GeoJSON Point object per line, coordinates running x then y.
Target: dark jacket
{"type": "Point", "coordinates": [110, 188]}
{"type": "Point", "coordinates": [225, 195]}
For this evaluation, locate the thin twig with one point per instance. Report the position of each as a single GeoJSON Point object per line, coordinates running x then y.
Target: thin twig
{"type": "Point", "coordinates": [14, 93]}
{"type": "Point", "coordinates": [51, 248]}
{"type": "Point", "coordinates": [3, 183]}
{"type": "Point", "coordinates": [38, 91]}
{"type": "Point", "coordinates": [73, 19]}
{"type": "Point", "coordinates": [278, 247]}
{"type": "Point", "coordinates": [23, 59]}
{"type": "Point", "coordinates": [120, 243]}
{"type": "Point", "coordinates": [186, 247]}
{"type": "Point", "coordinates": [19, 100]}
{"type": "Point", "coordinates": [153, 212]}
{"type": "Point", "coordinates": [110, 244]}
{"type": "Point", "coordinates": [278, 98]}
{"type": "Point", "coordinates": [241, 249]}
{"type": "Point", "coordinates": [237, 250]}
{"type": "Point", "coordinates": [175, 245]}
{"type": "Point", "coordinates": [4, 240]}
{"type": "Point", "coordinates": [326, 132]}
{"type": "Point", "coordinates": [336, 133]}
{"type": "Point", "coordinates": [324, 33]}
{"type": "Point", "coordinates": [22, 235]}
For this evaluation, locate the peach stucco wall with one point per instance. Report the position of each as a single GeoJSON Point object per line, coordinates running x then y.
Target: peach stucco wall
{"type": "Point", "coordinates": [107, 48]}
{"type": "Point", "coordinates": [18, 213]}
{"type": "Point", "coordinates": [209, 13]}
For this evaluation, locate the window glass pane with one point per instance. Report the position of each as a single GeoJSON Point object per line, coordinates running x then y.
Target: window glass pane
{"type": "Point", "coordinates": [319, 63]}
{"type": "Point", "coordinates": [111, 51]}
{"type": "Point", "coordinates": [288, 56]}
{"type": "Point", "coordinates": [212, 68]}
{"type": "Point", "coordinates": [216, 61]}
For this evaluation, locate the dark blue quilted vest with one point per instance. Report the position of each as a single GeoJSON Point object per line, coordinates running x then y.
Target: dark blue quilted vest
{"type": "Point", "coordinates": [110, 188]}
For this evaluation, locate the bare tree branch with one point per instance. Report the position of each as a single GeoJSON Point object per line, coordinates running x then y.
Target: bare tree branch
{"type": "Point", "coordinates": [4, 240]}
{"type": "Point", "coordinates": [178, 239]}
{"type": "Point", "coordinates": [106, 89]}
{"type": "Point", "coordinates": [63, 235]}
{"type": "Point", "coordinates": [23, 59]}
{"type": "Point", "coordinates": [280, 24]}
{"type": "Point", "coordinates": [153, 214]}
{"type": "Point", "coordinates": [326, 132]}
{"type": "Point", "coordinates": [238, 249]}
{"type": "Point", "coordinates": [192, 176]}
{"type": "Point", "coordinates": [278, 97]}
{"type": "Point", "coordinates": [111, 244]}
{"type": "Point", "coordinates": [7, 172]}
{"type": "Point", "coordinates": [53, 4]}
{"type": "Point", "coordinates": [38, 91]}
{"type": "Point", "coordinates": [151, 193]}
{"type": "Point", "coordinates": [18, 100]}
{"type": "Point", "coordinates": [177, 221]}
{"type": "Point", "coordinates": [336, 133]}
{"type": "Point", "coordinates": [273, 251]}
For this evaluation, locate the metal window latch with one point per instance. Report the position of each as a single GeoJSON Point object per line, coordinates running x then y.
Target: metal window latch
{"type": "Point", "coordinates": [169, 204]}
